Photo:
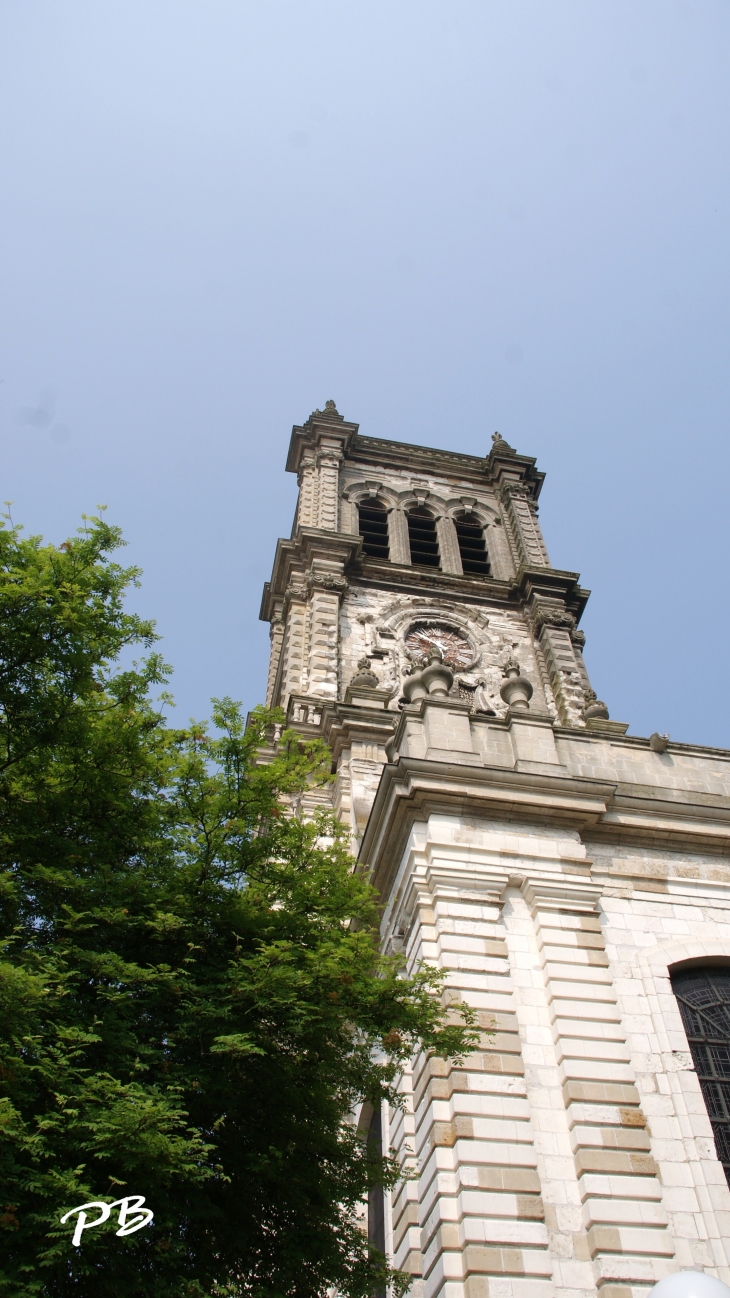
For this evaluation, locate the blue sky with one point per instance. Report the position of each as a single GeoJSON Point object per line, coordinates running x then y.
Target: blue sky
{"type": "Point", "coordinates": [450, 217]}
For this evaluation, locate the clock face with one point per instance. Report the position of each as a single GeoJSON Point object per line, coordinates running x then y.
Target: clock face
{"type": "Point", "coordinates": [426, 636]}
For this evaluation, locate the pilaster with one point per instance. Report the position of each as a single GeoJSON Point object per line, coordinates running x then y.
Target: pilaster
{"type": "Point", "coordinates": [276, 637]}
{"type": "Point", "coordinates": [329, 459]}
{"type": "Point", "coordinates": [448, 545]}
{"type": "Point", "coordinates": [398, 541]}
{"type": "Point", "coordinates": [525, 527]}
{"type": "Point", "coordinates": [307, 477]}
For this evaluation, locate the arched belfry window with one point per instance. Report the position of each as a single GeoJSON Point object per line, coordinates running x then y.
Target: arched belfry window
{"type": "Point", "coordinates": [472, 547]}
{"type": "Point", "coordinates": [703, 995]}
{"type": "Point", "coordinates": [423, 538]}
{"type": "Point", "coordinates": [373, 522]}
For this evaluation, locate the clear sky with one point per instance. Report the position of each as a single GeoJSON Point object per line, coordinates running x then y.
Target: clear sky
{"type": "Point", "coordinates": [450, 217]}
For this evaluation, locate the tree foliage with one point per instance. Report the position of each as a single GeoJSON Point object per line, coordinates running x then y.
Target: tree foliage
{"type": "Point", "coordinates": [191, 996]}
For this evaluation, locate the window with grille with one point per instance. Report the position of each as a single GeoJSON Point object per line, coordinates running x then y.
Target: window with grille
{"type": "Point", "coordinates": [374, 529]}
{"type": "Point", "coordinates": [703, 996]}
{"type": "Point", "coordinates": [423, 539]}
{"type": "Point", "coordinates": [472, 547]}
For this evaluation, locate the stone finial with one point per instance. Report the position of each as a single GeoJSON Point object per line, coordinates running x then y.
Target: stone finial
{"type": "Point", "coordinates": [330, 412]}
{"type": "Point", "coordinates": [516, 690]}
{"type": "Point", "coordinates": [500, 446]}
{"type": "Point", "coordinates": [594, 709]}
{"type": "Point", "coordinates": [365, 676]}
{"type": "Point", "coordinates": [437, 677]}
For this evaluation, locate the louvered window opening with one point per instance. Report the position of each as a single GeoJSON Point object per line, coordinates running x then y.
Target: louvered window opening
{"type": "Point", "coordinates": [703, 996]}
{"type": "Point", "coordinates": [374, 529]}
{"type": "Point", "coordinates": [423, 539]}
{"type": "Point", "coordinates": [472, 548]}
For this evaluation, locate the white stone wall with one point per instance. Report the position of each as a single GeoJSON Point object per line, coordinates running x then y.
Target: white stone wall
{"type": "Point", "coordinates": [572, 1153]}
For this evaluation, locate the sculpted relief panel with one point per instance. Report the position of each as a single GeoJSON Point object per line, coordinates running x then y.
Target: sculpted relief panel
{"type": "Point", "coordinates": [395, 634]}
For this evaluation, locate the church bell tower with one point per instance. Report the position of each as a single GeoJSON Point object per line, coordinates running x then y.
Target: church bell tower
{"type": "Point", "coordinates": [572, 880]}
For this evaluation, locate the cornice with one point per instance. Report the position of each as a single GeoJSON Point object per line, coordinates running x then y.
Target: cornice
{"type": "Point", "coordinates": [493, 467]}
{"type": "Point", "coordinates": [412, 789]}
{"type": "Point", "coordinates": [534, 584]}
{"type": "Point", "coordinates": [320, 427]}
{"type": "Point", "coordinates": [299, 553]}
{"type": "Point", "coordinates": [406, 579]}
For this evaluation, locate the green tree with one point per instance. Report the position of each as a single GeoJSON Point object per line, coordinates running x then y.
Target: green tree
{"type": "Point", "coordinates": [191, 995]}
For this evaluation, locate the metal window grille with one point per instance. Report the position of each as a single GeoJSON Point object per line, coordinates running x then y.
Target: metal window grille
{"type": "Point", "coordinates": [423, 539]}
{"type": "Point", "coordinates": [472, 548]}
{"type": "Point", "coordinates": [373, 519]}
{"type": "Point", "coordinates": [703, 996]}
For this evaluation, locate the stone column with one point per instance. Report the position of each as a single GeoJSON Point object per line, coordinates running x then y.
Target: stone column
{"type": "Point", "coordinates": [525, 527]}
{"type": "Point", "coordinates": [398, 541]}
{"type": "Point", "coordinates": [448, 545]}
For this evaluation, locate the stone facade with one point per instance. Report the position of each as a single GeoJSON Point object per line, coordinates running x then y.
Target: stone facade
{"type": "Point", "coordinates": [555, 866]}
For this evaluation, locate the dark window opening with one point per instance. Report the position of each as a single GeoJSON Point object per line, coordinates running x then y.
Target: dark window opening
{"type": "Point", "coordinates": [423, 539]}
{"type": "Point", "coordinates": [472, 547]}
{"type": "Point", "coordinates": [376, 1196]}
{"type": "Point", "coordinates": [703, 996]}
{"type": "Point", "coordinates": [374, 529]}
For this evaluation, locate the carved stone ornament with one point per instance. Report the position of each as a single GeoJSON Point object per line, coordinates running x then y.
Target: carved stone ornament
{"type": "Point", "coordinates": [594, 709]}
{"type": "Point", "coordinates": [295, 592]}
{"type": "Point", "coordinates": [330, 412]}
{"type": "Point", "coordinates": [500, 447]}
{"type": "Point", "coordinates": [579, 639]}
{"type": "Point", "coordinates": [436, 679]}
{"type": "Point", "coordinates": [327, 581]}
{"type": "Point", "coordinates": [516, 690]}
{"type": "Point", "coordinates": [365, 676]}
{"type": "Point", "coordinates": [554, 617]}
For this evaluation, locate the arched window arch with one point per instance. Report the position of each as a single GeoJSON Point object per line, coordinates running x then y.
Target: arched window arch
{"type": "Point", "coordinates": [373, 526]}
{"type": "Point", "coordinates": [423, 538]}
{"type": "Point", "coordinates": [703, 996]}
{"type": "Point", "coordinates": [472, 546]}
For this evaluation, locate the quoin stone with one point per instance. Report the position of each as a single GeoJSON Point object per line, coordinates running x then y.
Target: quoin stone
{"type": "Point", "coordinates": [572, 880]}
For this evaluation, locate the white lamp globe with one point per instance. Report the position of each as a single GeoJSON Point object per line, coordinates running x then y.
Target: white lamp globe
{"type": "Point", "coordinates": [689, 1284]}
